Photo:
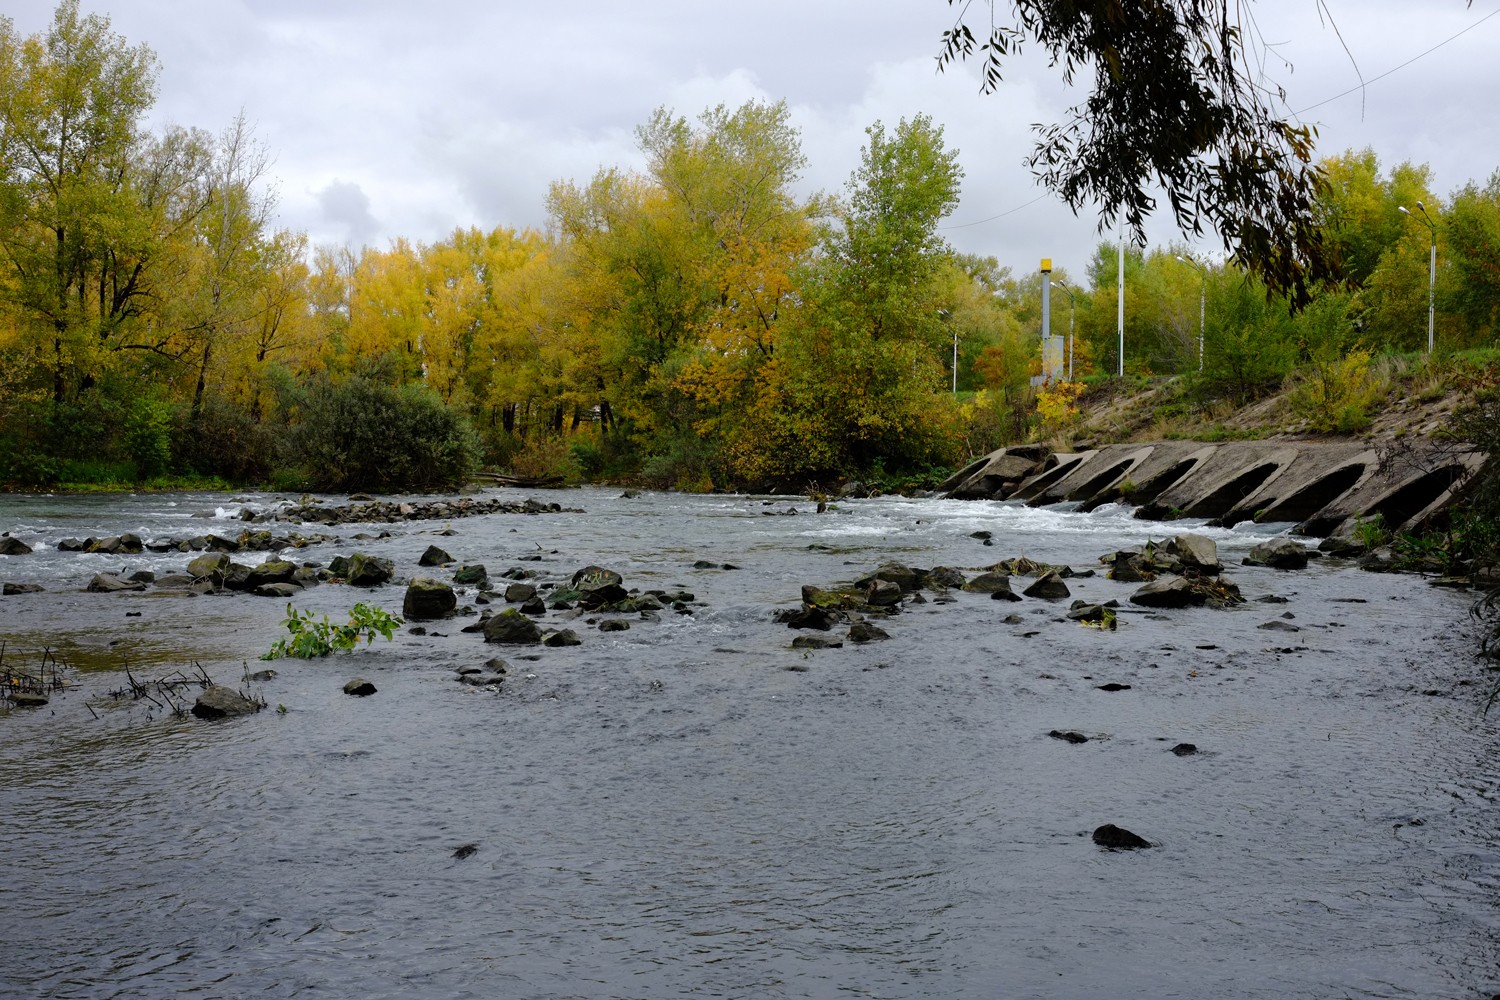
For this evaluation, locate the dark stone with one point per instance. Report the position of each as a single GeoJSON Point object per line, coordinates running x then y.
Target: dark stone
{"type": "Point", "coordinates": [1112, 686]}
{"type": "Point", "coordinates": [865, 632]}
{"type": "Point", "coordinates": [513, 628]}
{"type": "Point", "coordinates": [1278, 626]}
{"type": "Point", "coordinates": [74, 544]}
{"type": "Point", "coordinates": [1278, 553]}
{"type": "Point", "coordinates": [27, 699]}
{"type": "Point", "coordinates": [428, 599]}
{"type": "Point", "coordinates": [814, 618]}
{"type": "Point", "coordinates": [13, 589]}
{"type": "Point", "coordinates": [218, 702]}
{"type": "Point", "coordinates": [1084, 612]}
{"type": "Point", "coordinates": [271, 571]}
{"type": "Point", "coordinates": [990, 582]}
{"type": "Point", "coordinates": [945, 576]}
{"type": "Point", "coordinates": [281, 590]}
{"type": "Point", "coordinates": [1049, 587]}
{"type": "Point", "coordinates": [1114, 838]}
{"type": "Point", "coordinates": [10, 546]}
{"type": "Point", "coordinates": [614, 625]}
{"type": "Point", "coordinates": [597, 587]}
{"type": "Point", "coordinates": [519, 593]}
{"type": "Point", "coordinates": [108, 583]}
{"type": "Point", "coordinates": [565, 637]}
{"type": "Point", "coordinates": [434, 556]}
{"type": "Point", "coordinates": [1168, 592]}
{"type": "Point", "coordinates": [262, 676]}
{"type": "Point", "coordinates": [1068, 736]}
{"type": "Point", "coordinates": [883, 593]}
{"type": "Point", "coordinates": [471, 576]}
{"type": "Point", "coordinates": [369, 571]}
{"type": "Point", "coordinates": [1185, 749]}
{"type": "Point", "coordinates": [902, 576]}
{"type": "Point", "coordinates": [816, 642]}
{"type": "Point", "coordinates": [359, 688]}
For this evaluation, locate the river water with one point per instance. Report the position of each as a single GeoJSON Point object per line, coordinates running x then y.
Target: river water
{"type": "Point", "coordinates": [693, 808]}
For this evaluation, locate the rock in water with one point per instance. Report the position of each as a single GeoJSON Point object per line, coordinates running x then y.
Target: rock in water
{"type": "Point", "coordinates": [434, 556]}
{"type": "Point", "coordinates": [428, 599]}
{"type": "Point", "coordinates": [1197, 552]}
{"type": "Point", "coordinates": [1168, 592]}
{"type": "Point", "coordinates": [471, 576]}
{"type": "Point", "coordinates": [1185, 749]}
{"type": "Point", "coordinates": [1115, 838]}
{"type": "Point", "coordinates": [1278, 553]}
{"type": "Point", "coordinates": [218, 702]}
{"type": "Point", "coordinates": [13, 546]}
{"type": "Point", "coordinates": [512, 627]}
{"type": "Point", "coordinates": [12, 589]}
{"type": "Point", "coordinates": [565, 637]}
{"type": "Point", "coordinates": [106, 583]}
{"type": "Point", "coordinates": [1068, 736]}
{"type": "Point", "coordinates": [865, 632]}
{"type": "Point", "coordinates": [359, 688]}
{"type": "Point", "coordinates": [369, 571]}
{"type": "Point", "coordinates": [1049, 587]}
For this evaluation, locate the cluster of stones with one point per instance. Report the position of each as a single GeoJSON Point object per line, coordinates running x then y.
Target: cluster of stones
{"type": "Point", "coordinates": [389, 512]}
{"type": "Point", "coordinates": [590, 594]}
{"type": "Point", "coordinates": [246, 541]}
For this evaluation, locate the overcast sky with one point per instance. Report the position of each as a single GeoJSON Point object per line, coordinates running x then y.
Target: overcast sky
{"type": "Point", "coordinates": [386, 118]}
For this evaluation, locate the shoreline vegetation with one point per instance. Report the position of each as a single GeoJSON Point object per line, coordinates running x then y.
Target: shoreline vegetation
{"type": "Point", "coordinates": [695, 325]}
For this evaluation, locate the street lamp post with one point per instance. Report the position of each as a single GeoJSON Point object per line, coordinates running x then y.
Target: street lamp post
{"type": "Point", "coordinates": [1072, 308]}
{"type": "Point", "coordinates": [1431, 267]}
{"type": "Point", "coordinates": [1202, 299]}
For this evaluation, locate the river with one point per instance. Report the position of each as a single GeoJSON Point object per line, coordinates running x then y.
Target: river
{"type": "Point", "coordinates": [693, 808]}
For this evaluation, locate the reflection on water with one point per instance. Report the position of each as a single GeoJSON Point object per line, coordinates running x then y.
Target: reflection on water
{"type": "Point", "coordinates": [691, 807]}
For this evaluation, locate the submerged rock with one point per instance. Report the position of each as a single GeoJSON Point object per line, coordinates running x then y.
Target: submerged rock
{"type": "Point", "coordinates": [428, 599]}
{"type": "Point", "coordinates": [1068, 736]}
{"type": "Point", "coordinates": [1115, 838]}
{"type": "Point", "coordinates": [816, 642]}
{"type": "Point", "coordinates": [1049, 587]}
{"type": "Point", "coordinates": [513, 628]}
{"type": "Point", "coordinates": [108, 583]}
{"type": "Point", "coordinates": [434, 556]}
{"type": "Point", "coordinates": [13, 589]}
{"type": "Point", "coordinates": [1278, 553]}
{"type": "Point", "coordinates": [11, 546]}
{"type": "Point", "coordinates": [219, 701]}
{"type": "Point", "coordinates": [359, 688]}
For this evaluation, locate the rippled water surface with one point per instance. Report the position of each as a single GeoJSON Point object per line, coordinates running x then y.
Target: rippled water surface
{"type": "Point", "coordinates": [691, 807]}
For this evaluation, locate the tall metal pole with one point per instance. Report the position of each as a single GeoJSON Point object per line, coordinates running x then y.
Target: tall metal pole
{"type": "Point", "coordinates": [1120, 318]}
{"type": "Point", "coordinates": [1431, 285]}
{"type": "Point", "coordinates": [1072, 309]}
{"type": "Point", "coordinates": [955, 361]}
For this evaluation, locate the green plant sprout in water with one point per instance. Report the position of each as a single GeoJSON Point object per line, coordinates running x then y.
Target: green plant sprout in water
{"type": "Point", "coordinates": [311, 638]}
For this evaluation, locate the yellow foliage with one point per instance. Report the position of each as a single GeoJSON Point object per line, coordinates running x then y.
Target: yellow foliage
{"type": "Point", "coordinates": [1057, 403]}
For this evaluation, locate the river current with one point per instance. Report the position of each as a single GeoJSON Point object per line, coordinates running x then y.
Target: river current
{"type": "Point", "coordinates": [693, 808]}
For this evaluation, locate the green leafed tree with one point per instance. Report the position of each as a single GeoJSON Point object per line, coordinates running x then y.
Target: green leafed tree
{"type": "Point", "coordinates": [1175, 101]}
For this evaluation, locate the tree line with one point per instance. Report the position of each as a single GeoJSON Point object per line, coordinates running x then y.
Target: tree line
{"type": "Point", "coordinates": [696, 324]}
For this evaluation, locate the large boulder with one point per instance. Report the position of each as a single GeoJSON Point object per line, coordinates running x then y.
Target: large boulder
{"type": "Point", "coordinates": [108, 583]}
{"type": "Point", "coordinates": [882, 593]}
{"type": "Point", "coordinates": [565, 637]}
{"type": "Point", "coordinates": [1169, 592]}
{"type": "Point", "coordinates": [598, 587]}
{"type": "Point", "coordinates": [1117, 838]}
{"type": "Point", "coordinates": [434, 556]}
{"type": "Point", "coordinates": [270, 571]}
{"type": "Point", "coordinates": [11, 546]}
{"type": "Point", "coordinates": [945, 576]}
{"type": "Point", "coordinates": [519, 593]}
{"type": "Point", "coordinates": [14, 589]}
{"type": "Point", "coordinates": [513, 628]}
{"type": "Point", "coordinates": [989, 583]}
{"type": "Point", "coordinates": [1196, 553]}
{"type": "Point", "coordinates": [1049, 587]}
{"type": "Point", "coordinates": [218, 701]}
{"type": "Point", "coordinates": [370, 571]}
{"type": "Point", "coordinates": [1278, 553]}
{"type": "Point", "coordinates": [471, 576]}
{"type": "Point", "coordinates": [428, 599]}
{"type": "Point", "coordinates": [901, 575]}
{"type": "Point", "coordinates": [208, 564]}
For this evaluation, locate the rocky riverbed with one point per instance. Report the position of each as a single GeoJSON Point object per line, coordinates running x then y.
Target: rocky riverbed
{"type": "Point", "coordinates": [595, 753]}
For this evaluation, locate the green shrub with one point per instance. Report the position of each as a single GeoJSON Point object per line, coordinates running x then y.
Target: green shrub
{"type": "Point", "coordinates": [361, 434]}
{"type": "Point", "coordinates": [310, 638]}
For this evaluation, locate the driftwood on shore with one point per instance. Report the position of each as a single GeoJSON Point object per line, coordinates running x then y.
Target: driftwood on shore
{"type": "Point", "coordinates": [521, 482]}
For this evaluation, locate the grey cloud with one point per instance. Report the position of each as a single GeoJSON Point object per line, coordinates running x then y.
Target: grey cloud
{"type": "Point", "coordinates": [345, 204]}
